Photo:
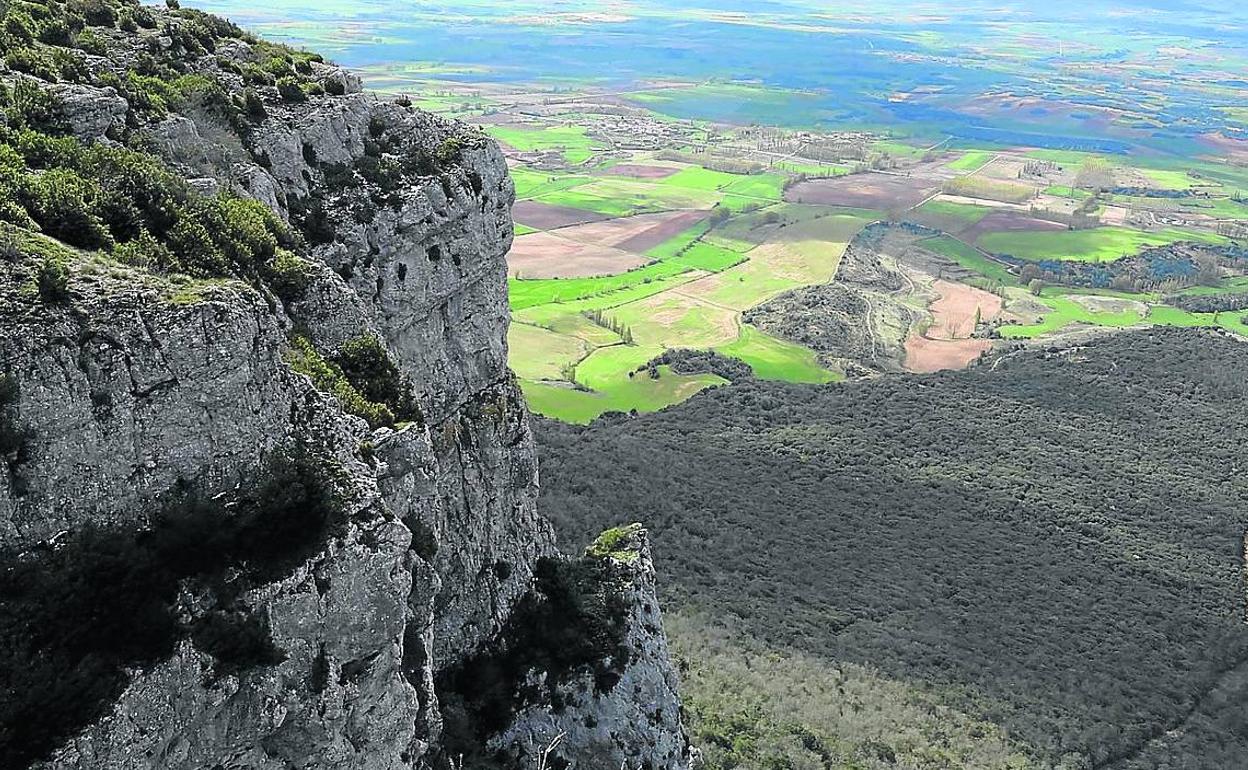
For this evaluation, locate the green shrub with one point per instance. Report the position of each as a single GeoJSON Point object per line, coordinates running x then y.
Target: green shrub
{"type": "Point", "coordinates": [65, 206]}
{"type": "Point", "coordinates": [26, 105]}
{"type": "Point", "coordinates": [449, 152]}
{"type": "Point", "coordinates": [144, 252]}
{"type": "Point", "coordinates": [32, 61]}
{"type": "Point", "coordinates": [368, 367]}
{"type": "Point", "coordinates": [91, 43]}
{"type": "Point", "coordinates": [290, 90]}
{"type": "Point", "coordinates": [143, 17]}
{"type": "Point", "coordinates": [614, 543]}
{"type": "Point", "coordinates": [288, 276]}
{"type": "Point", "coordinates": [97, 13]}
{"type": "Point", "coordinates": [19, 27]}
{"type": "Point", "coordinates": [278, 67]}
{"type": "Point", "coordinates": [327, 377]}
{"type": "Point", "coordinates": [52, 281]}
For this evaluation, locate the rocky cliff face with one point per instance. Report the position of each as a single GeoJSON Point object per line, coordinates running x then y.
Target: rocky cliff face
{"type": "Point", "coordinates": [249, 574]}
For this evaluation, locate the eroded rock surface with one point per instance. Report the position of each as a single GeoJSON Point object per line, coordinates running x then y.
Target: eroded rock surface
{"type": "Point", "coordinates": [134, 388]}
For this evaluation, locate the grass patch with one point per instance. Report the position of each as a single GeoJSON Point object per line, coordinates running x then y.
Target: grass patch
{"type": "Point", "coordinates": [1099, 244]}
{"type": "Point", "coordinates": [948, 215]}
{"type": "Point", "coordinates": [1169, 179]}
{"type": "Point", "coordinates": [572, 141]}
{"type": "Point", "coordinates": [534, 184]}
{"type": "Point", "coordinates": [708, 257]}
{"type": "Point", "coordinates": [1063, 312]}
{"type": "Point", "coordinates": [525, 293]}
{"type": "Point", "coordinates": [542, 354]}
{"type": "Point", "coordinates": [971, 161]}
{"type": "Point", "coordinates": [776, 359]}
{"type": "Point", "coordinates": [605, 205]}
{"type": "Point", "coordinates": [970, 258]}
{"type": "Point", "coordinates": [577, 325]}
{"type": "Point", "coordinates": [622, 394]}
{"type": "Point", "coordinates": [673, 320]}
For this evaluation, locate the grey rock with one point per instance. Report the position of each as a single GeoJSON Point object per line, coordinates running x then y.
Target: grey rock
{"type": "Point", "coordinates": [138, 383]}
{"type": "Point", "coordinates": [635, 723]}
{"type": "Point", "coordinates": [90, 112]}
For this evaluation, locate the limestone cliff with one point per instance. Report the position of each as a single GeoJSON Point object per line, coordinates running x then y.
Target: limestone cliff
{"type": "Point", "coordinates": [284, 509]}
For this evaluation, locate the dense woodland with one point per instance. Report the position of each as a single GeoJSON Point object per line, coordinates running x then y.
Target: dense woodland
{"type": "Point", "coordinates": [1053, 544]}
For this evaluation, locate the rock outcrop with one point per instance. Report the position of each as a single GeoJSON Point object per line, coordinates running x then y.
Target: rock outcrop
{"type": "Point", "coordinates": [629, 715]}
{"type": "Point", "coordinates": [163, 415]}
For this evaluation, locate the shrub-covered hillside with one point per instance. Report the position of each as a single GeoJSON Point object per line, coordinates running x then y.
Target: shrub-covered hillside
{"type": "Point", "coordinates": [1054, 544]}
{"type": "Point", "coordinates": [125, 135]}
{"type": "Point", "coordinates": [108, 192]}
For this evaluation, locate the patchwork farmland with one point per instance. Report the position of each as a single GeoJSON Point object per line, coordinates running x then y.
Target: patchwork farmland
{"type": "Point", "coordinates": [641, 230]}
{"type": "Point", "coordinates": [624, 253]}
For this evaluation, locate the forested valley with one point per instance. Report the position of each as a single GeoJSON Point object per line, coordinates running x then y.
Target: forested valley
{"type": "Point", "coordinates": [1050, 543]}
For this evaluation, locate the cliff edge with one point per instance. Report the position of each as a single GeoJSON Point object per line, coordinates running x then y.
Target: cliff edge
{"type": "Point", "coordinates": [270, 488]}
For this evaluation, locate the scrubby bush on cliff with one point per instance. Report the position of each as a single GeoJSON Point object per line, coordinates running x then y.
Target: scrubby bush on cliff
{"type": "Point", "coordinates": [367, 365]}
{"type": "Point", "coordinates": [108, 198]}
{"type": "Point", "coordinates": [327, 377]}
{"type": "Point", "coordinates": [114, 198]}
{"type": "Point", "coordinates": [52, 281]}
{"type": "Point", "coordinates": [290, 90]}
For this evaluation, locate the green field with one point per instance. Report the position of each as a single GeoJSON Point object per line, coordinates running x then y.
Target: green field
{"type": "Point", "coordinates": [1065, 311]}
{"type": "Point", "coordinates": [673, 320]}
{"type": "Point", "coordinates": [639, 392]}
{"type": "Point", "coordinates": [1099, 244]}
{"type": "Point", "coordinates": [775, 359]}
{"type": "Point", "coordinates": [971, 259]}
{"type": "Point", "coordinates": [1170, 180]}
{"type": "Point", "coordinates": [948, 215]}
{"type": "Point", "coordinates": [971, 161]}
{"type": "Point", "coordinates": [541, 354]}
{"type": "Point", "coordinates": [527, 293]}
{"type": "Point", "coordinates": [534, 184]}
{"type": "Point", "coordinates": [570, 140]}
